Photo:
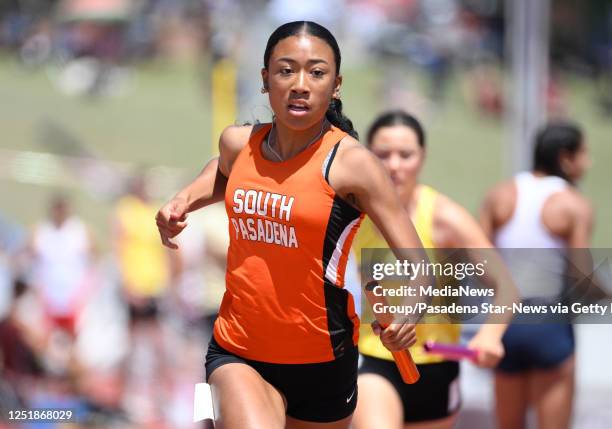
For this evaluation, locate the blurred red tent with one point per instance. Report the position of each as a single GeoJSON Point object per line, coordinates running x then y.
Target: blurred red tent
{"type": "Point", "coordinates": [95, 10]}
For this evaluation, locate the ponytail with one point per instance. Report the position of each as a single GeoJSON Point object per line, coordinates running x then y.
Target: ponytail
{"type": "Point", "coordinates": [335, 116]}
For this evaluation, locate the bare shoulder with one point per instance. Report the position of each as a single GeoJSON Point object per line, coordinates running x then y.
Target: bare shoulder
{"type": "Point", "coordinates": [455, 226]}
{"type": "Point", "coordinates": [501, 199]}
{"type": "Point", "coordinates": [448, 212]}
{"type": "Point", "coordinates": [232, 140]}
{"type": "Point", "coordinates": [576, 203]}
{"type": "Point", "coordinates": [235, 137]}
{"type": "Point", "coordinates": [353, 156]}
{"type": "Point", "coordinates": [502, 192]}
{"type": "Point", "coordinates": [356, 173]}
{"type": "Point", "coordinates": [498, 206]}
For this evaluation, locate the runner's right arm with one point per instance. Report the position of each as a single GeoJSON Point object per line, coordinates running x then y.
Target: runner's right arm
{"type": "Point", "coordinates": [206, 189]}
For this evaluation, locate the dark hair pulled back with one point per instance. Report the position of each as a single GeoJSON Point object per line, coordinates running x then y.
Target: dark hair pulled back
{"type": "Point", "coordinates": [397, 117]}
{"type": "Point", "coordinates": [334, 112]}
{"type": "Point", "coordinates": [551, 141]}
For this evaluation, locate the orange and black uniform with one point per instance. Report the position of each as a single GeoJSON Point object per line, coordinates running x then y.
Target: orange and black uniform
{"type": "Point", "coordinates": [285, 308]}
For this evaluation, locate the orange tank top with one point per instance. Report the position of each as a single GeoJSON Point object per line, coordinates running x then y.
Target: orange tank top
{"type": "Point", "coordinates": [290, 236]}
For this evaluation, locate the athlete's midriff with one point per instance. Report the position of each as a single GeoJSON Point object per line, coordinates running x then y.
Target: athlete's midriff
{"type": "Point", "coordinates": [283, 301]}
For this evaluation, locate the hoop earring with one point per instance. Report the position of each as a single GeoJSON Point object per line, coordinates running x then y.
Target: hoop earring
{"type": "Point", "coordinates": [264, 90]}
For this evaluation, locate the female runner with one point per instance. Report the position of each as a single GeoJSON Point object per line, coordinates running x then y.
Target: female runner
{"type": "Point", "coordinates": [283, 352]}
{"type": "Point", "coordinates": [538, 209]}
{"type": "Point", "coordinates": [398, 140]}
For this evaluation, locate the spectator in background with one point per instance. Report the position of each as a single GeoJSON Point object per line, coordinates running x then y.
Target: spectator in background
{"type": "Point", "coordinates": [62, 251]}
{"type": "Point", "coordinates": [19, 353]}
{"type": "Point", "coordinates": [144, 275]}
{"type": "Point", "coordinates": [144, 266]}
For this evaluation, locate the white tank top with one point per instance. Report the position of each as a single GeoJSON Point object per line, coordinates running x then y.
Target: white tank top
{"type": "Point", "coordinates": [537, 273]}
{"type": "Point", "coordinates": [62, 260]}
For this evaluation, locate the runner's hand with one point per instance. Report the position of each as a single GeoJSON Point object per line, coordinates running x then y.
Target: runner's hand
{"type": "Point", "coordinates": [490, 349]}
{"type": "Point", "coordinates": [171, 220]}
{"type": "Point", "coordinates": [396, 336]}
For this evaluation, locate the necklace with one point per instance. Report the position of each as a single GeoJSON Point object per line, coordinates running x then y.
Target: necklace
{"type": "Point", "coordinates": [277, 155]}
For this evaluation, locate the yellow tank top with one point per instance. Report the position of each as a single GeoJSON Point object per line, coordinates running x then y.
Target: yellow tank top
{"type": "Point", "coordinates": [368, 236]}
{"type": "Point", "coordinates": [142, 259]}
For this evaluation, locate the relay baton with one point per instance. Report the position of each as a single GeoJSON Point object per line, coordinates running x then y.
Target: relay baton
{"type": "Point", "coordinates": [403, 359]}
{"type": "Point", "coordinates": [450, 351]}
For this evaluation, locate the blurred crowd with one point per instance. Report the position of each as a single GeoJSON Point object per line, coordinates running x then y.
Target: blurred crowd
{"type": "Point", "coordinates": [90, 44]}
{"type": "Point", "coordinates": [118, 337]}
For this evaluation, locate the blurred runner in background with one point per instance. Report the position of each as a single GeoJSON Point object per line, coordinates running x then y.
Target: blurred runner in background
{"type": "Point", "coordinates": [538, 209]}
{"type": "Point", "coordinates": [398, 140]}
